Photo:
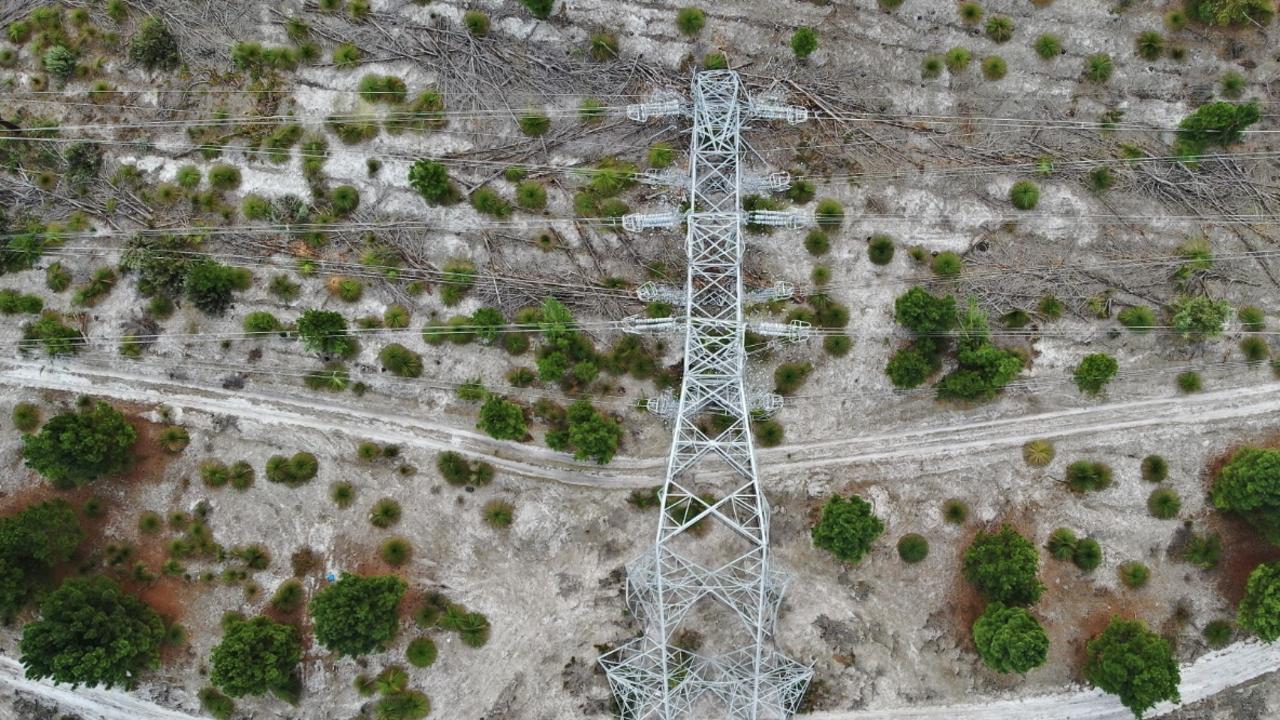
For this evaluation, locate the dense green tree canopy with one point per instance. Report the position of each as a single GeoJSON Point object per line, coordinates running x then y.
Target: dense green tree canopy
{"type": "Point", "coordinates": [847, 528]}
{"type": "Point", "coordinates": [93, 633]}
{"type": "Point", "coordinates": [32, 542]}
{"type": "Point", "coordinates": [1003, 566]}
{"type": "Point", "coordinates": [1134, 663]}
{"type": "Point", "coordinates": [923, 313]}
{"type": "Point", "coordinates": [1259, 610]}
{"type": "Point", "coordinates": [325, 331]}
{"type": "Point", "coordinates": [255, 656]}
{"type": "Point", "coordinates": [1250, 484]}
{"type": "Point", "coordinates": [74, 448]}
{"type": "Point", "coordinates": [209, 285]}
{"type": "Point", "coordinates": [1009, 639]}
{"type": "Point", "coordinates": [357, 614]}
{"type": "Point", "coordinates": [591, 433]}
{"type": "Point", "coordinates": [502, 419]}
{"type": "Point", "coordinates": [1094, 372]}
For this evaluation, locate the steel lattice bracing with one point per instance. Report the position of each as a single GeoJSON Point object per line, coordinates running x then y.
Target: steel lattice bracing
{"type": "Point", "coordinates": [652, 677]}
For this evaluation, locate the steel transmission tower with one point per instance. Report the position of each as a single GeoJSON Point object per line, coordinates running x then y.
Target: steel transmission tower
{"type": "Point", "coordinates": [713, 536]}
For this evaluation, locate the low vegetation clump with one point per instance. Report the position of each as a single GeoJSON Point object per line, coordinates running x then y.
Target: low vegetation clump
{"type": "Point", "coordinates": [588, 433]}
{"type": "Point", "coordinates": [1088, 476]}
{"type": "Point", "coordinates": [1062, 543]}
{"type": "Point", "coordinates": [1087, 555]}
{"type": "Point", "coordinates": [847, 528]}
{"type": "Point", "coordinates": [1164, 503]}
{"type": "Point", "coordinates": [1038, 453]}
{"type": "Point", "coordinates": [1217, 123]}
{"type": "Point", "coordinates": [421, 652]}
{"type": "Point", "coordinates": [384, 513]}
{"type": "Point", "coordinates": [1134, 575]}
{"type": "Point", "coordinates": [292, 471]}
{"type": "Point", "coordinates": [498, 514]}
{"type": "Point", "coordinates": [913, 548]}
{"type": "Point", "coordinates": [1154, 468]}
{"type": "Point", "coordinates": [955, 511]}
{"type": "Point", "coordinates": [1002, 566]}
{"type": "Point", "coordinates": [1024, 195]}
{"type": "Point", "coordinates": [880, 249]}
{"type": "Point", "coordinates": [803, 42]}
{"type": "Point", "coordinates": [75, 448]}
{"type": "Point", "coordinates": [1137, 665]}
{"type": "Point", "coordinates": [1009, 639]}
{"type": "Point", "coordinates": [356, 615]}
{"type": "Point", "coordinates": [154, 46]}
{"type": "Point", "coordinates": [1094, 372]}
{"type": "Point", "coordinates": [401, 361]}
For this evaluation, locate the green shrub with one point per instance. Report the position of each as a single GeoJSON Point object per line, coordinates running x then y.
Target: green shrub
{"type": "Point", "coordinates": [947, 264]}
{"type": "Point", "coordinates": [603, 46]}
{"type": "Point", "coordinates": [847, 528]}
{"type": "Point", "coordinates": [1189, 381]}
{"type": "Point", "coordinates": [1130, 661]}
{"type": "Point", "coordinates": [970, 13]}
{"type": "Point", "coordinates": [216, 704]}
{"type": "Point", "coordinates": [1098, 67]}
{"type": "Point", "coordinates": [958, 59]}
{"type": "Point", "coordinates": [817, 242]}
{"type": "Point", "coordinates": [26, 417]}
{"type": "Point", "coordinates": [1217, 123]}
{"type": "Point", "coordinates": [421, 652]}
{"type": "Point", "coordinates": [1252, 319]}
{"type": "Point", "coordinates": [788, 377]}
{"type": "Point", "coordinates": [1138, 318]}
{"type": "Point", "coordinates": [255, 657]}
{"type": "Point", "coordinates": [715, 61]}
{"type": "Point", "coordinates": [1100, 179]}
{"type": "Point", "coordinates": [385, 513]}
{"type": "Point", "coordinates": [1087, 555]}
{"type": "Point", "coordinates": [487, 201]}
{"type": "Point", "coordinates": [1003, 566]}
{"type": "Point", "coordinates": [1154, 468]}
{"type": "Point", "coordinates": [1149, 45]}
{"type": "Point", "coordinates": [931, 67]}
{"type": "Point", "coordinates": [325, 332]}
{"type": "Point", "coordinates": [540, 9]}
{"type": "Point", "coordinates": [292, 471]}
{"type": "Point", "coordinates": [1254, 349]}
{"type": "Point", "coordinates": [913, 548]}
{"type": "Point", "coordinates": [803, 42]}
{"type": "Point", "coordinates": [154, 46]}
{"type": "Point", "coordinates": [431, 180]}
{"type": "Point", "coordinates": [1024, 195]}
{"type": "Point", "coordinates": [1200, 317]}
{"type": "Point", "coordinates": [690, 20]}
{"type": "Point", "coordinates": [1134, 574]}
{"type": "Point", "coordinates": [1038, 453]}
{"type": "Point", "coordinates": [1094, 372]}
{"type": "Point", "coordinates": [59, 62]}
{"type": "Point", "coordinates": [909, 367]}
{"type": "Point", "coordinates": [1086, 476]}
{"type": "Point", "coordinates": [1249, 483]}
{"type": "Point", "coordinates": [955, 511]}
{"type": "Point", "coordinates": [395, 551]}
{"type": "Point", "coordinates": [1232, 12]}
{"type": "Point", "coordinates": [768, 433]}
{"type": "Point", "coordinates": [1062, 543]}
{"type": "Point", "coordinates": [346, 55]}
{"type": "Point", "coordinates": [476, 22]}
{"type": "Point", "coordinates": [261, 321]}
{"type": "Point", "coordinates": [1203, 551]}
{"type": "Point", "coordinates": [342, 493]}
{"type": "Point", "coordinates": [530, 195]}
{"type": "Point", "coordinates": [1217, 633]}
{"type": "Point", "coordinates": [829, 214]}
{"type": "Point", "coordinates": [1164, 503]}
{"type": "Point", "coordinates": [401, 361]}
{"type": "Point", "coordinates": [837, 345]}
{"type": "Point", "coordinates": [880, 249]}
{"type": "Point", "coordinates": [1048, 46]}
{"type": "Point", "coordinates": [498, 514]}
{"type": "Point", "coordinates": [994, 68]}
{"type": "Point", "coordinates": [999, 28]}
{"type": "Point", "coordinates": [1009, 639]}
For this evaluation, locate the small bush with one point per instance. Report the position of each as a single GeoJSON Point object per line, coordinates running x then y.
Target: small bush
{"type": "Point", "coordinates": [788, 377]}
{"type": "Point", "coordinates": [289, 596]}
{"type": "Point", "coordinates": [1217, 633]}
{"type": "Point", "coordinates": [216, 704]}
{"type": "Point", "coordinates": [970, 13]}
{"type": "Point", "coordinates": [224, 177]}
{"type": "Point", "coordinates": [1048, 46]}
{"type": "Point", "coordinates": [534, 123]}
{"type": "Point", "coordinates": [1087, 555]}
{"type": "Point", "coordinates": [947, 264]}
{"type": "Point", "coordinates": [1149, 45]}
{"type": "Point", "coordinates": [499, 514]}
{"type": "Point", "coordinates": [1100, 179]}
{"type": "Point", "coordinates": [955, 511]}
{"type": "Point", "coordinates": [994, 68]}
{"type": "Point", "coordinates": [880, 249]}
{"type": "Point", "coordinates": [540, 9]}
{"type": "Point", "coordinates": [1086, 476]}
{"type": "Point", "coordinates": [1094, 372]}
{"type": "Point", "coordinates": [603, 46]}
{"type": "Point", "coordinates": [1154, 468]}
{"type": "Point", "coordinates": [395, 551]}
{"type": "Point", "coordinates": [999, 28]}
{"type": "Point", "coordinates": [26, 417]}
{"type": "Point", "coordinates": [59, 62]}
{"type": "Point", "coordinates": [1003, 566]}
{"type": "Point", "coordinates": [342, 494]}
{"type": "Point", "coordinates": [1254, 349]}
{"type": "Point", "coordinates": [1203, 551]}
{"type": "Point", "coordinates": [690, 20]}
{"type": "Point", "coordinates": [847, 528]}
{"type": "Point", "coordinates": [292, 471]}
{"type": "Point", "coordinates": [913, 548]}
{"type": "Point", "coordinates": [1189, 381]}
{"type": "Point", "coordinates": [174, 439]}
{"type": "Point", "coordinates": [1024, 195]}
{"type": "Point", "coordinates": [1038, 453]}
{"type": "Point", "coordinates": [401, 361]}
{"type": "Point", "coordinates": [1134, 574]}
{"type": "Point", "coordinates": [829, 214]}
{"type": "Point", "coordinates": [154, 46]}
{"type": "Point", "coordinates": [958, 59]}
{"type": "Point", "coordinates": [931, 67]}
{"type": "Point", "coordinates": [1098, 67]}
{"type": "Point", "coordinates": [1232, 84]}
{"type": "Point", "coordinates": [817, 242]}
{"type": "Point", "coordinates": [769, 433]}
{"type": "Point", "coordinates": [1138, 318]}
{"type": "Point", "coordinates": [1252, 319]}
{"type": "Point", "coordinates": [1164, 503]}
{"type": "Point", "coordinates": [421, 652]}
{"type": "Point", "coordinates": [476, 22]}
{"type": "Point", "coordinates": [803, 42]}
{"type": "Point", "coordinates": [1062, 543]}
{"type": "Point", "coordinates": [346, 55]}
{"type": "Point", "coordinates": [385, 513]}
{"type": "Point", "coordinates": [531, 195]}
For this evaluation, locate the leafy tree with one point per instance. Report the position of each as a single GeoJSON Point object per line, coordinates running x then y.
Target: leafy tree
{"type": "Point", "coordinates": [1134, 663]}
{"type": "Point", "coordinates": [32, 543]}
{"type": "Point", "coordinates": [1250, 484]}
{"type": "Point", "coordinates": [1259, 610]}
{"type": "Point", "coordinates": [1200, 317]}
{"type": "Point", "coordinates": [591, 433]}
{"type": "Point", "coordinates": [1009, 639]}
{"type": "Point", "coordinates": [984, 370]}
{"type": "Point", "coordinates": [209, 285]}
{"type": "Point", "coordinates": [255, 656]}
{"type": "Point", "coordinates": [74, 448]}
{"type": "Point", "coordinates": [847, 528]}
{"type": "Point", "coordinates": [502, 419]}
{"type": "Point", "coordinates": [1094, 372]}
{"type": "Point", "coordinates": [357, 614]}
{"type": "Point", "coordinates": [325, 331]}
{"type": "Point", "coordinates": [1003, 566]}
{"type": "Point", "coordinates": [431, 180]}
{"type": "Point", "coordinates": [1232, 12]}
{"type": "Point", "coordinates": [154, 46]}
{"type": "Point", "coordinates": [91, 632]}
{"type": "Point", "coordinates": [923, 313]}
{"type": "Point", "coordinates": [1216, 123]}
{"type": "Point", "coordinates": [909, 367]}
